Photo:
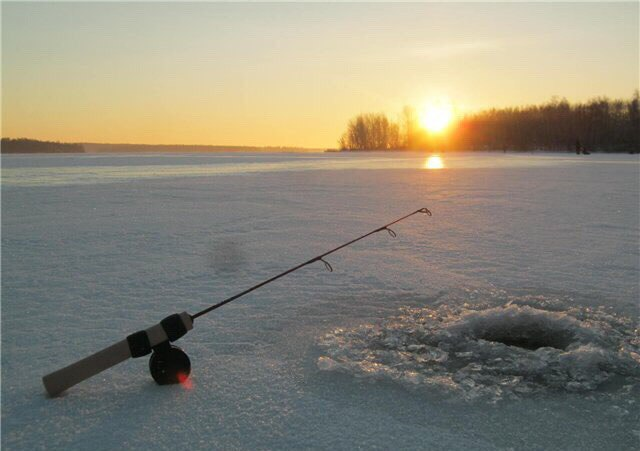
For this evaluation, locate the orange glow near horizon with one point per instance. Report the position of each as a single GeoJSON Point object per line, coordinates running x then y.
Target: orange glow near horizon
{"type": "Point", "coordinates": [434, 162]}
{"type": "Point", "coordinates": [277, 74]}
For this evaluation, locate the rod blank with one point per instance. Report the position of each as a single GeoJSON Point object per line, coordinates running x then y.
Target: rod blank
{"type": "Point", "coordinates": [308, 262]}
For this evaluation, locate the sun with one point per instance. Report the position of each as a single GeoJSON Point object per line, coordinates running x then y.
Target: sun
{"type": "Point", "coordinates": [436, 117]}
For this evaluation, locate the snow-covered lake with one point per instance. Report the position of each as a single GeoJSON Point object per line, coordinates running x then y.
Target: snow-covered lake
{"type": "Point", "coordinates": [430, 340]}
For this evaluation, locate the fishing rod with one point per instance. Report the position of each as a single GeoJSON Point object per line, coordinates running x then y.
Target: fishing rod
{"type": "Point", "coordinates": [168, 363]}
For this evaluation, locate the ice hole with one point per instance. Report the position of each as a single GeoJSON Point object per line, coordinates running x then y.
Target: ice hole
{"type": "Point", "coordinates": [529, 338]}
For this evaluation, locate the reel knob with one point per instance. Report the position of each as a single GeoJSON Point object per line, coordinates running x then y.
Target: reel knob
{"type": "Point", "coordinates": [169, 364]}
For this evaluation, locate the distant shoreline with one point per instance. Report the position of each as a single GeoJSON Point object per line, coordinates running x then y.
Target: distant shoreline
{"type": "Point", "coordinates": [29, 146]}
{"type": "Point", "coordinates": [23, 146]}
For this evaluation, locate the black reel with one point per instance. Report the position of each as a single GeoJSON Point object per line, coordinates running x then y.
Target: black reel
{"type": "Point", "coordinates": [169, 364]}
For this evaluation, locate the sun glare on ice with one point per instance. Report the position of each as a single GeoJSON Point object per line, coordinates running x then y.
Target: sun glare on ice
{"type": "Point", "coordinates": [434, 162]}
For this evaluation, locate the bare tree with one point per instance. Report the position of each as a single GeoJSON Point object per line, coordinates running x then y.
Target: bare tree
{"type": "Point", "coordinates": [371, 132]}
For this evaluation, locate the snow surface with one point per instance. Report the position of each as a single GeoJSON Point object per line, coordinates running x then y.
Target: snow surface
{"type": "Point", "coordinates": [95, 247]}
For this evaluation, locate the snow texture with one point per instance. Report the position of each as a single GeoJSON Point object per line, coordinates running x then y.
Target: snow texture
{"type": "Point", "coordinates": [528, 258]}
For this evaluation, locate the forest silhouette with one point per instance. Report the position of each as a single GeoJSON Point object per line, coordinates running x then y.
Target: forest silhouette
{"type": "Point", "coordinates": [601, 124]}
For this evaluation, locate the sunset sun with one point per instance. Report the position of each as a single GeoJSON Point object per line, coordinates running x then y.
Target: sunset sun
{"type": "Point", "coordinates": [436, 117]}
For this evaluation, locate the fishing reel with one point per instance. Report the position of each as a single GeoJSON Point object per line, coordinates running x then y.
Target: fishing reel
{"type": "Point", "coordinates": [169, 364]}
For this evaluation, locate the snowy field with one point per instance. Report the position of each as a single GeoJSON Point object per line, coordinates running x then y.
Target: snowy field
{"type": "Point", "coordinates": [507, 320]}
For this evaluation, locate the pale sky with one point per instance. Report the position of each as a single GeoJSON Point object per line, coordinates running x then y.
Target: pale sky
{"type": "Point", "coordinates": [291, 74]}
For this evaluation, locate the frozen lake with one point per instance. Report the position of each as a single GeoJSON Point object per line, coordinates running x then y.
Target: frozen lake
{"type": "Point", "coordinates": [402, 346]}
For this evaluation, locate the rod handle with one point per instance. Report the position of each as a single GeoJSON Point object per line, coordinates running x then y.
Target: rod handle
{"type": "Point", "coordinates": [64, 378]}
{"type": "Point", "coordinates": [169, 329]}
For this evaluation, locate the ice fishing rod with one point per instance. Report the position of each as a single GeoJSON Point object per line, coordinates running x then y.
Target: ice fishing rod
{"type": "Point", "coordinates": [168, 363]}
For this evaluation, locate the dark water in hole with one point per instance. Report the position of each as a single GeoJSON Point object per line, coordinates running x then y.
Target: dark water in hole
{"type": "Point", "coordinates": [532, 339]}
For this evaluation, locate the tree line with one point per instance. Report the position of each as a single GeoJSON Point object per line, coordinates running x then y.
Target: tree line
{"type": "Point", "coordinates": [23, 145]}
{"type": "Point", "coordinates": [600, 124]}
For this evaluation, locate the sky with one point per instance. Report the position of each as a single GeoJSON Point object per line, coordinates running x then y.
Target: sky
{"type": "Point", "coordinates": [287, 74]}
